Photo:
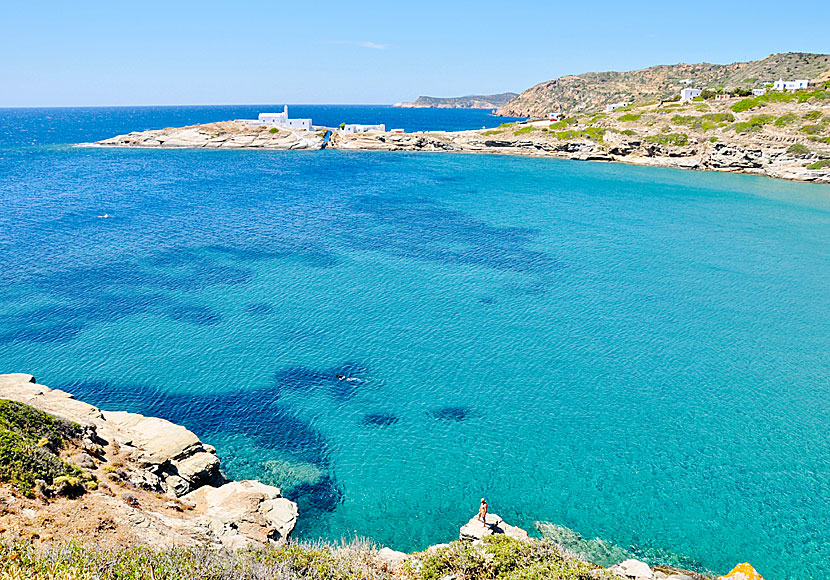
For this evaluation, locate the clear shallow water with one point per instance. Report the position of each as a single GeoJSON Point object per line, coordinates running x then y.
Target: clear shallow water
{"type": "Point", "coordinates": [638, 354]}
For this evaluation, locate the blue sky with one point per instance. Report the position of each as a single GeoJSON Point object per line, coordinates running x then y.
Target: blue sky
{"type": "Point", "coordinates": [149, 52]}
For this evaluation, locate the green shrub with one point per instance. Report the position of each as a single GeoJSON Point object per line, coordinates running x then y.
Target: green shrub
{"type": "Point", "coordinates": [705, 122]}
{"type": "Point", "coordinates": [746, 104]}
{"type": "Point", "coordinates": [820, 164]}
{"type": "Point", "coordinates": [501, 558]}
{"type": "Point", "coordinates": [676, 139]}
{"type": "Point", "coordinates": [629, 117]}
{"type": "Point", "coordinates": [273, 130]}
{"type": "Point", "coordinates": [785, 120]}
{"type": "Point", "coordinates": [756, 123]}
{"type": "Point", "coordinates": [798, 149]}
{"type": "Point", "coordinates": [505, 125]}
{"type": "Point", "coordinates": [29, 442]}
{"type": "Point", "coordinates": [492, 132]}
{"type": "Point", "coordinates": [812, 115]}
{"type": "Point", "coordinates": [812, 129]}
{"type": "Point", "coordinates": [713, 139]}
{"type": "Point", "coordinates": [524, 130]}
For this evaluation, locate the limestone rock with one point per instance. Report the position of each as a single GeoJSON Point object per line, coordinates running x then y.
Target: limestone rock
{"type": "Point", "coordinates": [476, 530]}
{"type": "Point", "coordinates": [632, 568]}
{"type": "Point", "coordinates": [160, 456]}
{"type": "Point", "coordinates": [244, 512]}
{"type": "Point", "coordinates": [199, 468]}
{"type": "Point", "coordinates": [391, 559]}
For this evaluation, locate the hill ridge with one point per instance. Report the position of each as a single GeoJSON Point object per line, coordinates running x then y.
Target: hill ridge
{"type": "Point", "coordinates": [591, 91]}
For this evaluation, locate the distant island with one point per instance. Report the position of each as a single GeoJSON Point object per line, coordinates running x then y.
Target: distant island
{"type": "Point", "coordinates": [468, 102]}
{"type": "Point", "coordinates": [593, 91]}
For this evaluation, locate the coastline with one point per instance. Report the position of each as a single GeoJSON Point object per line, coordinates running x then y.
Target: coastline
{"type": "Point", "coordinates": [150, 482]}
{"type": "Point", "coordinates": [754, 154]}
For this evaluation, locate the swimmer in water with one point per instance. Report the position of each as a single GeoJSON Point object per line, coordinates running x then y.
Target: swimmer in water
{"type": "Point", "coordinates": [106, 215]}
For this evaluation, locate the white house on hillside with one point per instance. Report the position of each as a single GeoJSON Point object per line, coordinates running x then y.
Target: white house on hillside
{"type": "Point", "coordinates": [759, 92]}
{"type": "Point", "coordinates": [689, 94]}
{"type": "Point", "coordinates": [280, 120]}
{"type": "Point", "coordinates": [782, 85]}
{"type": "Point", "coordinates": [615, 106]}
{"type": "Point", "coordinates": [355, 128]}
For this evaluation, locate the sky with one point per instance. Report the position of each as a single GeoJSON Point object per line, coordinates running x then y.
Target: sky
{"type": "Point", "coordinates": [149, 52]}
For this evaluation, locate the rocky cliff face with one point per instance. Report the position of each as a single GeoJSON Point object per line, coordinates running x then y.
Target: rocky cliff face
{"type": "Point", "coordinates": [590, 92]}
{"type": "Point", "coordinates": [158, 483]}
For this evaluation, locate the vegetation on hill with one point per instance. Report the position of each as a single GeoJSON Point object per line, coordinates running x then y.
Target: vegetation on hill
{"type": "Point", "coordinates": [29, 444]}
{"type": "Point", "coordinates": [496, 558]}
{"type": "Point", "coordinates": [592, 91]}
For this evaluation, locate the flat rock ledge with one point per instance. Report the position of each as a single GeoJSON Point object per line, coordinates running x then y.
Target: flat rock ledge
{"type": "Point", "coordinates": [475, 529]}
{"type": "Point", "coordinates": [223, 135]}
{"type": "Point", "coordinates": [173, 489]}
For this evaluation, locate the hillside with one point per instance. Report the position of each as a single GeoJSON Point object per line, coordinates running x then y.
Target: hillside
{"type": "Point", "coordinates": [592, 91]}
{"type": "Point", "coordinates": [468, 102]}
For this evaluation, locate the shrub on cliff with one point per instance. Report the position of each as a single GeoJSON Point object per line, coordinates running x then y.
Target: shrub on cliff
{"type": "Point", "coordinates": [499, 557]}
{"type": "Point", "coordinates": [676, 139]}
{"type": "Point", "coordinates": [29, 442]}
{"type": "Point", "coordinates": [351, 561]}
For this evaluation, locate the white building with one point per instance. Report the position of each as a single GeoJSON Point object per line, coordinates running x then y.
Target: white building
{"type": "Point", "coordinates": [280, 120]}
{"type": "Point", "coordinates": [759, 92]}
{"type": "Point", "coordinates": [782, 85]}
{"type": "Point", "coordinates": [355, 128]}
{"type": "Point", "coordinates": [686, 81]}
{"type": "Point", "coordinates": [689, 94]}
{"type": "Point", "coordinates": [615, 106]}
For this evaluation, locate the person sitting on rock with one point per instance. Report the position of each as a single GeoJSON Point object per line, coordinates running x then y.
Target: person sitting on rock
{"type": "Point", "coordinates": [482, 512]}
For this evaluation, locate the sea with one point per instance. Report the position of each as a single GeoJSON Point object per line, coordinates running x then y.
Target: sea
{"type": "Point", "coordinates": [638, 354]}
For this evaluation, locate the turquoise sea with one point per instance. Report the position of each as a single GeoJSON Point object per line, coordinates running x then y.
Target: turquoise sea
{"type": "Point", "coordinates": [638, 354]}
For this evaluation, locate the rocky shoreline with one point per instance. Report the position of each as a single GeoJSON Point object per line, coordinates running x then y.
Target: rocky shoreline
{"type": "Point", "coordinates": [153, 483]}
{"type": "Point", "coordinates": [606, 138]}
{"type": "Point", "coordinates": [157, 484]}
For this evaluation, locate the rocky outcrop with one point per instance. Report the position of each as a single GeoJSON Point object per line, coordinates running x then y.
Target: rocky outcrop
{"type": "Point", "coordinates": [475, 529]}
{"type": "Point", "coordinates": [169, 482]}
{"type": "Point", "coordinates": [223, 135]}
{"type": "Point", "coordinates": [739, 156]}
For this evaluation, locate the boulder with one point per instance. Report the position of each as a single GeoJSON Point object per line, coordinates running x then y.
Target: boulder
{"type": "Point", "coordinates": [199, 468]}
{"type": "Point", "coordinates": [159, 440]}
{"type": "Point", "coordinates": [632, 568]}
{"type": "Point", "coordinates": [475, 529]}
{"type": "Point", "coordinates": [391, 559]}
{"type": "Point", "coordinates": [241, 513]}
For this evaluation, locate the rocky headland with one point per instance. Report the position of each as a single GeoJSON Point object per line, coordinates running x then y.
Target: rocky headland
{"type": "Point", "coordinates": [113, 481]}
{"type": "Point", "coordinates": [222, 135]}
{"type": "Point", "coordinates": [785, 136]}
{"type": "Point", "coordinates": [467, 102]}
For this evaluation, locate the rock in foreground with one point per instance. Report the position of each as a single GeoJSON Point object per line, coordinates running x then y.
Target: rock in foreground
{"type": "Point", "coordinates": [158, 483]}
{"type": "Point", "coordinates": [475, 529]}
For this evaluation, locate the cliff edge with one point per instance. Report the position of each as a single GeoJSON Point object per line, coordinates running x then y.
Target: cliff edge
{"type": "Point", "coordinates": [141, 480]}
